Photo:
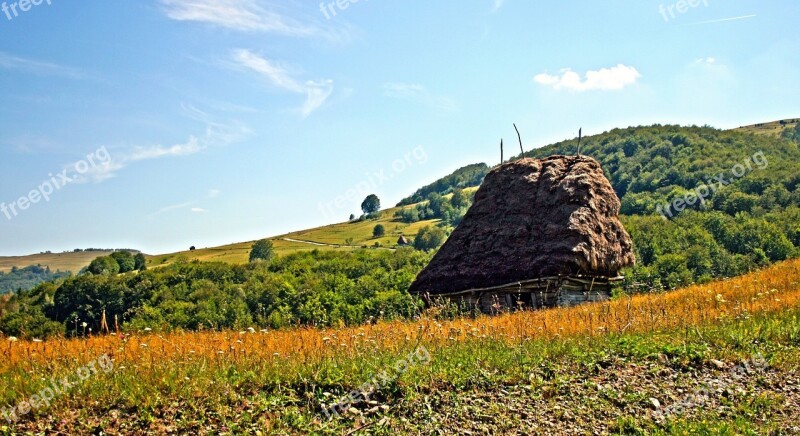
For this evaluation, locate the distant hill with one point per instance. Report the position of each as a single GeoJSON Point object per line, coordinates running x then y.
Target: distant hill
{"type": "Point", "coordinates": [774, 128]}
{"type": "Point", "coordinates": [465, 177]}
{"type": "Point", "coordinates": [649, 167]}
{"type": "Point", "coordinates": [28, 277]}
{"type": "Point", "coordinates": [70, 261]}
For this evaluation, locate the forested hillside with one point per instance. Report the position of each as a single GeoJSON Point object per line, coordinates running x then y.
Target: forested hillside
{"type": "Point", "coordinates": [28, 277]}
{"type": "Point", "coordinates": [699, 204]}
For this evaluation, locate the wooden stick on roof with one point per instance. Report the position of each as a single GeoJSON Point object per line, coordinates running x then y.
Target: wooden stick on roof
{"type": "Point", "coordinates": [521, 151]}
{"type": "Point", "coordinates": [580, 136]}
{"type": "Point", "coordinates": [501, 151]}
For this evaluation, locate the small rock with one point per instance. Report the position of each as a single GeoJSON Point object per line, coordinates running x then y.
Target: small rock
{"type": "Point", "coordinates": [655, 403]}
{"type": "Point", "coordinates": [718, 364]}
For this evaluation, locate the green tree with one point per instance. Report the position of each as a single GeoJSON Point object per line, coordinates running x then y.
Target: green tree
{"type": "Point", "coordinates": [371, 204]}
{"type": "Point", "coordinates": [262, 250]}
{"type": "Point", "coordinates": [458, 200]}
{"type": "Point", "coordinates": [140, 263]}
{"type": "Point", "coordinates": [125, 261]}
{"type": "Point", "coordinates": [104, 265]}
{"type": "Point", "coordinates": [379, 231]}
{"type": "Point", "coordinates": [429, 238]}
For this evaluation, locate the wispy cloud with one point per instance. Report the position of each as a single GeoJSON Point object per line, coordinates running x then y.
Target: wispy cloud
{"type": "Point", "coordinates": [722, 20]}
{"type": "Point", "coordinates": [605, 79]}
{"type": "Point", "coordinates": [497, 4]}
{"type": "Point", "coordinates": [418, 93]}
{"type": "Point", "coordinates": [214, 193]}
{"type": "Point", "coordinates": [216, 134]}
{"type": "Point", "coordinates": [251, 16]}
{"type": "Point", "coordinates": [170, 208]}
{"type": "Point", "coordinates": [316, 92]}
{"type": "Point", "coordinates": [198, 210]}
{"type": "Point", "coordinates": [40, 68]}
{"type": "Point", "coordinates": [192, 146]}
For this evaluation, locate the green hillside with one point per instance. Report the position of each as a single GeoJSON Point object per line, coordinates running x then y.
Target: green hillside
{"type": "Point", "coordinates": [747, 215]}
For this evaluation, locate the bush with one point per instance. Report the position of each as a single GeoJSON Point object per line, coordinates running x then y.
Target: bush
{"type": "Point", "coordinates": [429, 238]}
{"type": "Point", "coordinates": [379, 231]}
{"type": "Point", "coordinates": [262, 250]}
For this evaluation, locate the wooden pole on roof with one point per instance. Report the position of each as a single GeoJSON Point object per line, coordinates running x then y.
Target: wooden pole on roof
{"type": "Point", "coordinates": [580, 136]}
{"type": "Point", "coordinates": [521, 151]}
{"type": "Point", "coordinates": [501, 151]}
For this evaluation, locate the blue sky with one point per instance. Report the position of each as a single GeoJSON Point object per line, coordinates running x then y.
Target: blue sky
{"type": "Point", "coordinates": [205, 122]}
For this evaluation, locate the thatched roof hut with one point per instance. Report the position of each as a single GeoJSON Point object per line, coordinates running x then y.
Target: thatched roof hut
{"type": "Point", "coordinates": [534, 220]}
{"type": "Point", "coordinates": [402, 241]}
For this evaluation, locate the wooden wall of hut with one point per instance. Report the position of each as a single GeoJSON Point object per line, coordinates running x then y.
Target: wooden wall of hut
{"type": "Point", "coordinates": [539, 294]}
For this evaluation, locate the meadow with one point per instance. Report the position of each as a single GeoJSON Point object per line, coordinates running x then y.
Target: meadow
{"type": "Point", "coordinates": [280, 381]}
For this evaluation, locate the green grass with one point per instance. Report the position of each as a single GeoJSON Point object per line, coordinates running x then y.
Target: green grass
{"type": "Point", "coordinates": [560, 377]}
{"type": "Point", "coordinates": [341, 236]}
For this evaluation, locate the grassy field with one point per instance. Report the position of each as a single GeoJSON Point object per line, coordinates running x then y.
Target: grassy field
{"type": "Point", "coordinates": [774, 128]}
{"type": "Point", "coordinates": [332, 237]}
{"type": "Point", "coordinates": [720, 358]}
{"type": "Point", "coordinates": [56, 261]}
{"type": "Point", "coordinates": [341, 236]}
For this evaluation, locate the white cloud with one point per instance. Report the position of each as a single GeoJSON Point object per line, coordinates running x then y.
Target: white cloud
{"type": "Point", "coordinates": [722, 20]}
{"type": "Point", "coordinates": [216, 134]}
{"type": "Point", "coordinates": [198, 210]}
{"type": "Point", "coordinates": [605, 79]}
{"type": "Point", "coordinates": [497, 4]}
{"type": "Point", "coordinates": [316, 92]}
{"type": "Point", "coordinates": [154, 152]}
{"type": "Point", "coordinates": [277, 74]}
{"type": "Point", "coordinates": [316, 95]}
{"type": "Point", "coordinates": [244, 15]}
{"type": "Point", "coordinates": [170, 208]}
{"type": "Point", "coordinates": [11, 62]}
{"type": "Point", "coordinates": [417, 92]}
{"type": "Point", "coordinates": [214, 193]}
{"type": "Point", "coordinates": [252, 16]}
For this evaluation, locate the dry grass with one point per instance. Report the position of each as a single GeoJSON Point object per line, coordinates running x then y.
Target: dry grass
{"type": "Point", "coordinates": [770, 290]}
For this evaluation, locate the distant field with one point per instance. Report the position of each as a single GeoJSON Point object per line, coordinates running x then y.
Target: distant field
{"type": "Point", "coordinates": [774, 128]}
{"type": "Point", "coordinates": [56, 261]}
{"type": "Point", "coordinates": [332, 237]}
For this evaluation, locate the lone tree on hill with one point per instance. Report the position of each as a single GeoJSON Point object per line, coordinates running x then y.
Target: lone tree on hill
{"type": "Point", "coordinates": [262, 250]}
{"type": "Point", "coordinates": [140, 262]}
{"type": "Point", "coordinates": [379, 231]}
{"type": "Point", "coordinates": [371, 204]}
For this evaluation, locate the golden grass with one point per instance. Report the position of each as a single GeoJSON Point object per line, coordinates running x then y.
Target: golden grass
{"type": "Point", "coordinates": [56, 261]}
{"type": "Point", "coordinates": [770, 290]}
{"type": "Point", "coordinates": [774, 128]}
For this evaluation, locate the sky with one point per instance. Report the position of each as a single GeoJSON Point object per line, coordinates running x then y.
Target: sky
{"type": "Point", "coordinates": [161, 124]}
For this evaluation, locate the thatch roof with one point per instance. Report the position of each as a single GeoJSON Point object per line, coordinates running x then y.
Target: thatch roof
{"type": "Point", "coordinates": [402, 240]}
{"type": "Point", "coordinates": [533, 218]}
